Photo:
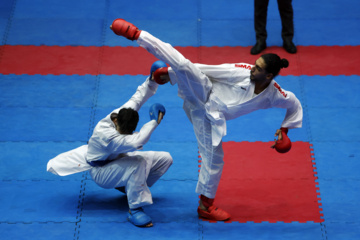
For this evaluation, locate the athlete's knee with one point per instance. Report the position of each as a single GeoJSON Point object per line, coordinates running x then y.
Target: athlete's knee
{"type": "Point", "coordinates": [168, 158]}
{"type": "Point", "coordinates": [164, 159]}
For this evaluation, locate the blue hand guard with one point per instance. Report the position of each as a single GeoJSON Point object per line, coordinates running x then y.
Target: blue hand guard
{"type": "Point", "coordinates": [155, 109]}
{"type": "Point", "coordinates": [156, 65]}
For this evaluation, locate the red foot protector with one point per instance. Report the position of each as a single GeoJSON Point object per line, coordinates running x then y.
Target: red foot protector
{"type": "Point", "coordinates": [259, 184]}
{"type": "Point", "coordinates": [70, 60]}
{"type": "Point", "coordinates": [212, 212]}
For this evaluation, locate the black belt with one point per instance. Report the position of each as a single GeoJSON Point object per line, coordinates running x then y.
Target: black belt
{"type": "Point", "coordinates": [98, 163]}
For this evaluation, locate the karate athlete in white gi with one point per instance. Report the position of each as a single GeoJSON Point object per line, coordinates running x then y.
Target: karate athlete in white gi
{"type": "Point", "coordinates": [214, 94]}
{"type": "Point", "coordinates": [112, 154]}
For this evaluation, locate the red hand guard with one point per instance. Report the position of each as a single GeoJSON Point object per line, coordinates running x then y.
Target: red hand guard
{"type": "Point", "coordinates": [161, 75]}
{"type": "Point", "coordinates": [284, 145]}
{"type": "Point", "coordinates": [125, 29]}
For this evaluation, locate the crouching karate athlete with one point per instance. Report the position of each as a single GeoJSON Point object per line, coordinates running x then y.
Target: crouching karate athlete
{"type": "Point", "coordinates": [112, 154]}
{"type": "Point", "coordinates": [213, 94]}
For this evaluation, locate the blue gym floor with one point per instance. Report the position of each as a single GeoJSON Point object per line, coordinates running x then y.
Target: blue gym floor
{"type": "Point", "coordinates": [44, 115]}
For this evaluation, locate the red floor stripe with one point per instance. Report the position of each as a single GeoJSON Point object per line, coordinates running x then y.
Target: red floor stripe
{"type": "Point", "coordinates": [69, 60]}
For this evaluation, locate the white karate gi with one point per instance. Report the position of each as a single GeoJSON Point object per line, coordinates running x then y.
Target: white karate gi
{"type": "Point", "coordinates": [213, 94]}
{"type": "Point", "coordinates": [136, 170]}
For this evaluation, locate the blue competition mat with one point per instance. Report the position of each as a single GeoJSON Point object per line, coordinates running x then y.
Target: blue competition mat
{"type": "Point", "coordinates": [185, 159]}
{"type": "Point", "coordinates": [325, 124]}
{"type": "Point", "coordinates": [29, 32]}
{"type": "Point", "coordinates": [42, 116]}
{"type": "Point", "coordinates": [42, 124]}
{"type": "Point", "coordinates": [337, 160]}
{"type": "Point", "coordinates": [337, 89]}
{"type": "Point", "coordinates": [47, 91]}
{"type": "Point", "coordinates": [339, 230]}
{"type": "Point", "coordinates": [115, 90]}
{"type": "Point", "coordinates": [176, 231]}
{"type": "Point", "coordinates": [110, 205]}
{"type": "Point", "coordinates": [39, 201]}
{"type": "Point", "coordinates": [336, 192]}
{"type": "Point", "coordinates": [31, 160]}
{"type": "Point", "coordinates": [40, 231]}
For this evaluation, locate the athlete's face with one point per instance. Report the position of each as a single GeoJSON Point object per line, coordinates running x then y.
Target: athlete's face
{"type": "Point", "coordinates": [258, 72]}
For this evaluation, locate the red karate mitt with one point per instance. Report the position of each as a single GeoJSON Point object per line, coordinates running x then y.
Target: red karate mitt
{"type": "Point", "coordinates": [283, 145]}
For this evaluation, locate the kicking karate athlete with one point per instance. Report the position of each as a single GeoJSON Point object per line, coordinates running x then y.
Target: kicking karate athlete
{"type": "Point", "coordinates": [214, 94]}
{"type": "Point", "coordinates": [112, 154]}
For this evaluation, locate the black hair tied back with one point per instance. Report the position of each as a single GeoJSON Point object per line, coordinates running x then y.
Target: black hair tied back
{"type": "Point", "coordinates": [284, 63]}
{"type": "Point", "coordinates": [274, 63]}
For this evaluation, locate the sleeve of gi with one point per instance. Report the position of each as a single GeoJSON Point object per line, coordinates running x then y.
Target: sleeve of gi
{"type": "Point", "coordinates": [228, 73]}
{"type": "Point", "coordinates": [294, 112]}
{"type": "Point", "coordinates": [134, 141]}
{"type": "Point", "coordinates": [142, 94]}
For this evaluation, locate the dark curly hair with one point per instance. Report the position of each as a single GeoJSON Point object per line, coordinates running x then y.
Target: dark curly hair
{"type": "Point", "coordinates": [127, 120]}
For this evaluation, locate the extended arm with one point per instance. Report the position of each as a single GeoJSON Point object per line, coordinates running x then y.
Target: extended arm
{"type": "Point", "coordinates": [293, 119]}
{"type": "Point", "coordinates": [227, 73]}
{"type": "Point", "coordinates": [142, 94]}
{"type": "Point", "coordinates": [294, 112]}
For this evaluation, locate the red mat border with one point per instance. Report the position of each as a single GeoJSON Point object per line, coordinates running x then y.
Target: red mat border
{"type": "Point", "coordinates": [81, 60]}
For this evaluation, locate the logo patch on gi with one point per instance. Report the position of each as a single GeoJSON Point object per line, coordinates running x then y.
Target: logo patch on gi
{"type": "Point", "coordinates": [280, 90]}
{"type": "Point", "coordinates": [248, 67]}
